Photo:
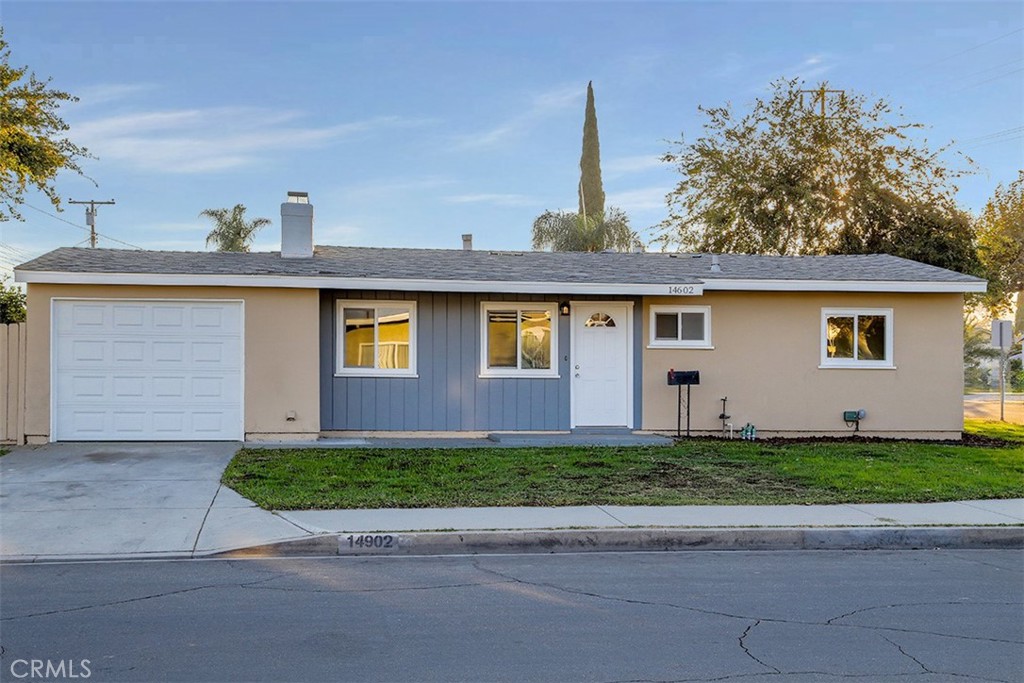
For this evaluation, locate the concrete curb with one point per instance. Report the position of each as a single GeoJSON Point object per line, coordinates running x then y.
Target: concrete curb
{"type": "Point", "coordinates": [605, 540]}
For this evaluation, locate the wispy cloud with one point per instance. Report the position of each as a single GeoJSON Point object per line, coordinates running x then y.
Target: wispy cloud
{"type": "Point", "coordinates": [495, 199]}
{"type": "Point", "coordinates": [104, 93]}
{"type": "Point", "coordinates": [542, 105]}
{"type": "Point", "coordinates": [810, 67]}
{"type": "Point", "coordinates": [730, 65]}
{"type": "Point", "coordinates": [395, 189]}
{"type": "Point", "coordinates": [632, 164]}
{"type": "Point", "coordinates": [640, 199]}
{"type": "Point", "coordinates": [197, 243]}
{"type": "Point", "coordinates": [342, 234]}
{"type": "Point", "coordinates": [201, 224]}
{"type": "Point", "coordinates": [212, 139]}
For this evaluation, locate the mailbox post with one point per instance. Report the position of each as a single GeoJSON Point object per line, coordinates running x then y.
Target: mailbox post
{"type": "Point", "coordinates": [679, 378]}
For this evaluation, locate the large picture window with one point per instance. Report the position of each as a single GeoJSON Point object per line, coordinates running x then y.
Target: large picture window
{"type": "Point", "coordinates": [856, 338]}
{"type": "Point", "coordinates": [519, 340]}
{"type": "Point", "coordinates": [376, 338]}
{"type": "Point", "coordinates": [680, 327]}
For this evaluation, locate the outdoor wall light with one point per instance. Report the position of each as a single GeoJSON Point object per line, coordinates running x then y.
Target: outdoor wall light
{"type": "Point", "coordinates": [563, 308]}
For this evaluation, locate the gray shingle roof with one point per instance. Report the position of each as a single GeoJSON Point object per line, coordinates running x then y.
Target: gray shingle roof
{"type": "Point", "coordinates": [500, 266]}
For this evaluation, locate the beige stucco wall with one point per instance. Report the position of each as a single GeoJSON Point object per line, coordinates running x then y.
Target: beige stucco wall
{"type": "Point", "coordinates": [281, 353]}
{"type": "Point", "coordinates": [766, 356]}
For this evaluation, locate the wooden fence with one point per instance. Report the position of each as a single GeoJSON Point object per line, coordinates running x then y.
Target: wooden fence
{"type": "Point", "coordinates": [12, 383]}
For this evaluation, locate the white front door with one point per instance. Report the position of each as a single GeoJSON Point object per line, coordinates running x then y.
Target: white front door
{"type": "Point", "coordinates": [146, 370]}
{"type": "Point", "coordinates": [601, 364]}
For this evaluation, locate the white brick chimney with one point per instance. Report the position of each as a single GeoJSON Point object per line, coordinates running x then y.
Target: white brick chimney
{"type": "Point", "coordinates": [297, 226]}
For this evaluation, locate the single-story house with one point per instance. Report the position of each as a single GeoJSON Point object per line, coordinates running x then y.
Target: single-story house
{"type": "Point", "coordinates": [313, 341]}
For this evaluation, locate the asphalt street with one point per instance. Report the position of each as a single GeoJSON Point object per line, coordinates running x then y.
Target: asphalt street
{"type": "Point", "coordinates": [795, 616]}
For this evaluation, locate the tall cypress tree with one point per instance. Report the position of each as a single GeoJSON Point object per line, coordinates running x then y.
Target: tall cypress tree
{"type": "Point", "coordinates": [591, 189]}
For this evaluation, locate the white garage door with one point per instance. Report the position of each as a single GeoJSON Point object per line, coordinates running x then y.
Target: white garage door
{"type": "Point", "coordinates": [142, 370]}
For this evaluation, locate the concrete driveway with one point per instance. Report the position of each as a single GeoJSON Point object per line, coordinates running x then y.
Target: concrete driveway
{"type": "Point", "coordinates": [127, 500]}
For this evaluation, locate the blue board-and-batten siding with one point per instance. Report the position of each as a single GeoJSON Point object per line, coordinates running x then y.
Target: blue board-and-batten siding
{"type": "Point", "coordinates": [448, 394]}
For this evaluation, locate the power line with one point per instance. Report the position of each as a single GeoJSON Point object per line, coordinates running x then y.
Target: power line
{"type": "Point", "coordinates": [997, 134]}
{"type": "Point", "coordinates": [53, 215]}
{"type": "Point", "coordinates": [82, 227]}
{"type": "Point", "coordinates": [16, 251]}
{"type": "Point", "coordinates": [1018, 136]}
{"type": "Point", "coordinates": [970, 49]}
{"type": "Point", "coordinates": [945, 80]}
{"type": "Point", "coordinates": [989, 80]}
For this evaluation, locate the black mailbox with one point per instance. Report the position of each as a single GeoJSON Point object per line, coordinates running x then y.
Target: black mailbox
{"type": "Point", "coordinates": [683, 377]}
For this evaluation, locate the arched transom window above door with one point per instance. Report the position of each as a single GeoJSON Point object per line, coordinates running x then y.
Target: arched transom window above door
{"type": "Point", "coordinates": [600, 320]}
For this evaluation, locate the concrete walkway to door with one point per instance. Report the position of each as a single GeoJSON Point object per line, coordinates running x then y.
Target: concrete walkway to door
{"type": "Point", "coordinates": [92, 500]}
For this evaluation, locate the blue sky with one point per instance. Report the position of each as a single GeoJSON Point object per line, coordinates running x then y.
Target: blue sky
{"type": "Point", "coordinates": [412, 123]}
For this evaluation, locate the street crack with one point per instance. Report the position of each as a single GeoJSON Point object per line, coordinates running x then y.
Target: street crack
{"type": "Point", "coordinates": [747, 652]}
{"type": "Point", "coordinates": [128, 601]}
{"type": "Point", "coordinates": [775, 620]}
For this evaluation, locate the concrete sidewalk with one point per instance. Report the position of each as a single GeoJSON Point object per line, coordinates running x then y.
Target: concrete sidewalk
{"type": "Point", "coordinates": [963, 513]}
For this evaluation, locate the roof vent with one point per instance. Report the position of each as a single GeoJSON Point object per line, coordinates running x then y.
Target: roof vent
{"type": "Point", "coordinates": [716, 267]}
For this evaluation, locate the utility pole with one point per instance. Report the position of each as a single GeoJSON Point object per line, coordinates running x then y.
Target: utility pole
{"type": "Point", "coordinates": [90, 217]}
{"type": "Point", "coordinates": [821, 96]}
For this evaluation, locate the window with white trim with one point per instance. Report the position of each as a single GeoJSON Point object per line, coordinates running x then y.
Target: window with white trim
{"type": "Point", "coordinates": [856, 338]}
{"type": "Point", "coordinates": [376, 338]}
{"type": "Point", "coordinates": [519, 339]}
{"type": "Point", "coordinates": [680, 327]}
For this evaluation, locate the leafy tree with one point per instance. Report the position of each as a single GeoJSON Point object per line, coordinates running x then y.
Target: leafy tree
{"type": "Point", "coordinates": [33, 148]}
{"type": "Point", "coordinates": [1015, 375]}
{"type": "Point", "coordinates": [591, 189]}
{"type": "Point", "coordinates": [891, 225]}
{"type": "Point", "coordinates": [568, 231]}
{"type": "Point", "coordinates": [231, 231]}
{"type": "Point", "coordinates": [1001, 247]}
{"type": "Point", "coordinates": [785, 179]}
{"type": "Point", "coordinates": [12, 303]}
{"type": "Point", "coordinates": [977, 349]}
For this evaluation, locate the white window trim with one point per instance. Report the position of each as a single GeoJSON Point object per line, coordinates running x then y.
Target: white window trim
{"type": "Point", "coordinates": [654, 343]}
{"type": "Point", "coordinates": [851, 363]}
{"type": "Point", "coordinates": [551, 307]}
{"type": "Point", "coordinates": [339, 361]}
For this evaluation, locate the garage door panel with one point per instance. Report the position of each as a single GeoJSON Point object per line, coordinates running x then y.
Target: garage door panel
{"type": "Point", "coordinates": [145, 370]}
{"type": "Point", "coordinates": [87, 317]}
{"type": "Point", "coordinates": [130, 317]}
{"type": "Point", "coordinates": [156, 390]}
{"type": "Point", "coordinates": [130, 351]}
{"type": "Point", "coordinates": [87, 351]}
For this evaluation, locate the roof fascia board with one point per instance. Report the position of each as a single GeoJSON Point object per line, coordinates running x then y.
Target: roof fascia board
{"type": "Point", "coordinates": [922, 286]}
{"type": "Point", "coordinates": [413, 285]}
{"type": "Point", "coordinates": [320, 282]}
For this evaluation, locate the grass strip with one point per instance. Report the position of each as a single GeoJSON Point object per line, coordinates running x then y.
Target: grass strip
{"type": "Point", "coordinates": [700, 471]}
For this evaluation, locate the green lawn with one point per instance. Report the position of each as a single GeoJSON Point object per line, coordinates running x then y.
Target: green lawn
{"type": "Point", "coordinates": [1006, 431]}
{"type": "Point", "coordinates": [701, 471]}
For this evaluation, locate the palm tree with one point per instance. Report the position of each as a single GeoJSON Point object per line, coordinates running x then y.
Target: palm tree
{"type": "Point", "coordinates": [568, 231]}
{"type": "Point", "coordinates": [231, 232]}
